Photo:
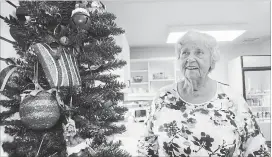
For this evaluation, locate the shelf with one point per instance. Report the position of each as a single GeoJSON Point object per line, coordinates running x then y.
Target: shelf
{"type": "Point", "coordinates": [139, 96]}
{"type": "Point", "coordinates": [153, 59]}
{"type": "Point", "coordinates": [139, 83]}
{"type": "Point", "coordinates": [263, 120]}
{"type": "Point", "coordinates": [138, 71]}
{"type": "Point", "coordinates": [259, 106]}
{"type": "Point", "coordinates": [258, 94]}
{"type": "Point", "coordinates": [147, 68]}
{"type": "Point", "coordinates": [162, 80]}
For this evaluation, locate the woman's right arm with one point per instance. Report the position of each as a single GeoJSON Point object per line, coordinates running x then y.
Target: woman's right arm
{"type": "Point", "coordinates": [148, 145]}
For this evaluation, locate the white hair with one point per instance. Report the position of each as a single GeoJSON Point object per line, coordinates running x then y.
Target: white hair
{"type": "Point", "coordinates": [197, 37]}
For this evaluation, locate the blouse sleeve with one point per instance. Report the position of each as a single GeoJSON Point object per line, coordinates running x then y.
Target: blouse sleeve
{"type": "Point", "coordinates": [252, 140]}
{"type": "Point", "coordinates": [148, 145]}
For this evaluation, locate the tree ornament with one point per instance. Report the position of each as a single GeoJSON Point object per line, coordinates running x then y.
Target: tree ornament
{"type": "Point", "coordinates": [62, 72]}
{"type": "Point", "coordinates": [76, 145]}
{"type": "Point", "coordinates": [96, 5]}
{"type": "Point", "coordinates": [70, 128]}
{"type": "Point", "coordinates": [80, 19]}
{"type": "Point", "coordinates": [64, 40]}
{"type": "Point", "coordinates": [40, 111]}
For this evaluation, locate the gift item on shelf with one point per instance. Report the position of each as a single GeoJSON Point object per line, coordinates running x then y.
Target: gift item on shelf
{"type": "Point", "coordinates": [138, 79]}
{"type": "Point", "coordinates": [258, 115]}
{"type": "Point", "coordinates": [262, 114]}
{"type": "Point", "coordinates": [160, 75]}
{"type": "Point", "coordinates": [142, 90]}
{"type": "Point", "coordinates": [139, 90]}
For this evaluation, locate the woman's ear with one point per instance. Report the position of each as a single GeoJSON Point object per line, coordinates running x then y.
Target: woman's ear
{"type": "Point", "coordinates": [212, 66]}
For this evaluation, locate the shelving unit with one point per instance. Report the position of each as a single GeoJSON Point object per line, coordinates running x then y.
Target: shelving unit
{"type": "Point", "coordinates": [138, 71]}
{"type": "Point", "coordinates": [250, 77]}
{"type": "Point", "coordinates": [156, 73]}
{"type": "Point", "coordinates": [162, 80]}
{"type": "Point", "coordinates": [139, 83]}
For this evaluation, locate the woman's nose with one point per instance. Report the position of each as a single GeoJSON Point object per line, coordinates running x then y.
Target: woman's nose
{"type": "Point", "coordinates": [191, 58]}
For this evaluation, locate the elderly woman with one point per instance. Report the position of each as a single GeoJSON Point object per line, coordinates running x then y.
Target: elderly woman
{"type": "Point", "coordinates": [198, 116]}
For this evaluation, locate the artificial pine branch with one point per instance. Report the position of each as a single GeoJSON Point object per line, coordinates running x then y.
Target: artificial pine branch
{"type": "Point", "coordinates": [112, 65]}
{"type": "Point", "coordinates": [12, 123]}
{"type": "Point", "coordinates": [7, 114]}
{"type": "Point", "coordinates": [120, 110]}
{"type": "Point", "coordinates": [101, 77]}
{"type": "Point", "coordinates": [14, 130]}
{"type": "Point", "coordinates": [105, 47]}
{"type": "Point", "coordinates": [10, 104]}
{"type": "Point", "coordinates": [113, 129]}
{"type": "Point", "coordinates": [112, 150]}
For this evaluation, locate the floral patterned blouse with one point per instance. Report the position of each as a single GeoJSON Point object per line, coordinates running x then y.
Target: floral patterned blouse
{"type": "Point", "coordinates": [221, 127]}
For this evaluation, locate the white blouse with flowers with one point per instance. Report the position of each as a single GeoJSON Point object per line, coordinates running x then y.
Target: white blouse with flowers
{"type": "Point", "coordinates": [222, 127]}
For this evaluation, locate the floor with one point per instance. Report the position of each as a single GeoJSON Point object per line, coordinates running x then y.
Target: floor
{"type": "Point", "coordinates": [130, 137]}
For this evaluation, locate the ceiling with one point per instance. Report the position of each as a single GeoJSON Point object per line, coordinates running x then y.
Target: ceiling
{"type": "Point", "coordinates": [147, 22]}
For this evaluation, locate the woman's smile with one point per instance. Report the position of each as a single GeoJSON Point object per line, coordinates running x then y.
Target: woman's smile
{"type": "Point", "coordinates": [191, 68]}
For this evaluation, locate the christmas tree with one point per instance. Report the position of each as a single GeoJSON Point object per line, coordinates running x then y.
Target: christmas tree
{"type": "Point", "coordinates": [61, 85]}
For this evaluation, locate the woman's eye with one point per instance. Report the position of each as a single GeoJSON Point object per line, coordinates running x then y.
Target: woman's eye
{"type": "Point", "coordinates": [199, 52]}
{"type": "Point", "coordinates": [185, 52]}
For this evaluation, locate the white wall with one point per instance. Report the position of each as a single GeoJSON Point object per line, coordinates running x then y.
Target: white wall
{"type": "Point", "coordinates": [6, 48]}
{"type": "Point", "coordinates": [228, 52]}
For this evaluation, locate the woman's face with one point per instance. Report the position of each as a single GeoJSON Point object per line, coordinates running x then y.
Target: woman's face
{"type": "Point", "coordinates": [195, 60]}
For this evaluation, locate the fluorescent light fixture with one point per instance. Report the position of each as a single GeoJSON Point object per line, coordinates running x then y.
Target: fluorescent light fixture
{"type": "Point", "coordinates": [224, 35]}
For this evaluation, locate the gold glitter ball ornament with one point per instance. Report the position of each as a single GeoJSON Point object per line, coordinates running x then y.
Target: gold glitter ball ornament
{"type": "Point", "coordinates": [39, 112]}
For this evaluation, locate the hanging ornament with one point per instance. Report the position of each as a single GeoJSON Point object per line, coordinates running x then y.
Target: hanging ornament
{"type": "Point", "coordinates": [80, 19]}
{"type": "Point", "coordinates": [62, 72]}
{"type": "Point", "coordinates": [40, 111]}
{"type": "Point", "coordinates": [64, 40]}
{"type": "Point", "coordinates": [76, 145]}
{"type": "Point", "coordinates": [94, 67]}
{"type": "Point", "coordinates": [70, 128]}
{"type": "Point", "coordinates": [81, 149]}
{"type": "Point", "coordinates": [96, 5]}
